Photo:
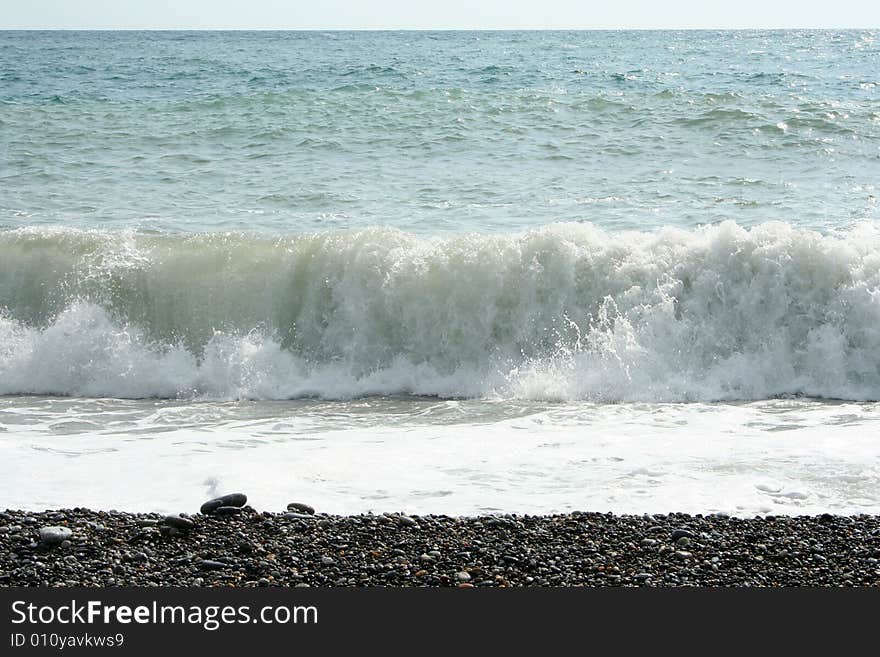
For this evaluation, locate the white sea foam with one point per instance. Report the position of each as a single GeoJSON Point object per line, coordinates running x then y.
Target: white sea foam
{"type": "Point", "coordinates": [443, 456]}
{"type": "Point", "coordinates": [564, 312]}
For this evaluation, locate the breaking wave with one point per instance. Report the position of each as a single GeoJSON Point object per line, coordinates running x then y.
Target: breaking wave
{"type": "Point", "coordinates": [564, 312]}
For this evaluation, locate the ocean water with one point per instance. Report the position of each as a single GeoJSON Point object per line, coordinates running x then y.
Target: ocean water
{"type": "Point", "coordinates": [455, 272]}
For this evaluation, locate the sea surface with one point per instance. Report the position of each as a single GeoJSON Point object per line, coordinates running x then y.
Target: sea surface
{"type": "Point", "coordinates": [452, 272]}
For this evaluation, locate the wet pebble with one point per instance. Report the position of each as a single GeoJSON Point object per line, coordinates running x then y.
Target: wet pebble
{"type": "Point", "coordinates": [178, 522]}
{"type": "Point", "coordinates": [227, 511]}
{"type": "Point", "coordinates": [233, 499]}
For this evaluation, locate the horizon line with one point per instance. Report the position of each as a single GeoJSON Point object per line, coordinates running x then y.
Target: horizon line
{"type": "Point", "coordinates": [427, 29]}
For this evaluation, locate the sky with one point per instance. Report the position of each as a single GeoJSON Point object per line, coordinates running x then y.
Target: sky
{"type": "Point", "coordinates": [436, 14]}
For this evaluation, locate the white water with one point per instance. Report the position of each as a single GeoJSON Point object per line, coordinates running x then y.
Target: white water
{"type": "Point", "coordinates": [567, 312]}
{"type": "Point", "coordinates": [720, 369]}
{"type": "Point", "coordinates": [456, 457]}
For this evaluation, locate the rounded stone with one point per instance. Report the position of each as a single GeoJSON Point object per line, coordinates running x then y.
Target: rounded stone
{"type": "Point", "coordinates": [233, 499]}
{"type": "Point", "coordinates": [54, 535]}
{"type": "Point", "coordinates": [299, 507]}
{"type": "Point", "coordinates": [178, 522]}
{"type": "Point", "coordinates": [227, 511]}
{"type": "Point", "coordinates": [299, 516]}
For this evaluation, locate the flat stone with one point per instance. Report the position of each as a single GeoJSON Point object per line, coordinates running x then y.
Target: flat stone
{"type": "Point", "coordinates": [299, 516]}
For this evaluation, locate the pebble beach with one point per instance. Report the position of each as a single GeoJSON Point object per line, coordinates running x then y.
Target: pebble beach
{"type": "Point", "coordinates": [228, 543]}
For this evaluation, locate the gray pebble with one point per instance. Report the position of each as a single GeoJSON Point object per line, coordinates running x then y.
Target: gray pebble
{"type": "Point", "coordinates": [299, 507]}
{"type": "Point", "coordinates": [299, 516]}
{"type": "Point", "coordinates": [233, 499]}
{"type": "Point", "coordinates": [227, 511]}
{"type": "Point", "coordinates": [178, 522]}
{"type": "Point", "coordinates": [54, 535]}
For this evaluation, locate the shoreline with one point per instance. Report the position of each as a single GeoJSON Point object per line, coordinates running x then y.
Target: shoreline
{"type": "Point", "coordinates": [299, 548]}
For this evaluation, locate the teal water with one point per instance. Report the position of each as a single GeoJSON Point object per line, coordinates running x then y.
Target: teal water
{"type": "Point", "coordinates": [437, 132]}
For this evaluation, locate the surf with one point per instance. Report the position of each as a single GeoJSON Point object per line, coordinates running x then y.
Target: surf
{"type": "Point", "coordinates": [566, 311]}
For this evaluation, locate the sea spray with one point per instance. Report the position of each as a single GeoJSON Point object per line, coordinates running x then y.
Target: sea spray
{"type": "Point", "coordinates": [566, 311]}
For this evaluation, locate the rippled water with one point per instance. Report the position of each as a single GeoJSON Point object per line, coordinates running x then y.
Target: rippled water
{"type": "Point", "coordinates": [438, 132]}
{"type": "Point", "coordinates": [453, 272]}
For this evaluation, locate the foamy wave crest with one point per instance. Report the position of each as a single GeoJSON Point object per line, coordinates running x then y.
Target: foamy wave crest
{"type": "Point", "coordinates": [563, 312]}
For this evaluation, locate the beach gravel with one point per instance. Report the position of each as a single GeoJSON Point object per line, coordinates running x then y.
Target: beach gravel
{"type": "Point", "coordinates": [80, 547]}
